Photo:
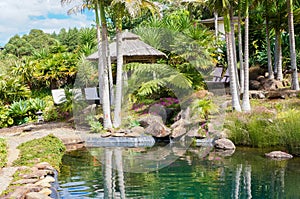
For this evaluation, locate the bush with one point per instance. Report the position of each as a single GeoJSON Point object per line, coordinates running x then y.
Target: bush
{"type": "Point", "coordinates": [265, 129]}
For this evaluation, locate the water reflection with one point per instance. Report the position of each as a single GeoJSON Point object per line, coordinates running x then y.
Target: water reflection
{"type": "Point", "coordinates": [247, 174]}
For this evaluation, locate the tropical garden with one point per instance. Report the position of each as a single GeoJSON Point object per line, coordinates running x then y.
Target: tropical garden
{"type": "Point", "coordinates": [264, 35]}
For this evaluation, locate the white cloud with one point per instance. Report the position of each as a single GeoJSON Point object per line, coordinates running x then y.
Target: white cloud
{"type": "Point", "coordinates": [20, 16]}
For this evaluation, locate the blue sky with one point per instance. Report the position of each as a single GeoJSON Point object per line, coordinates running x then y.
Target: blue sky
{"type": "Point", "coordinates": [20, 16]}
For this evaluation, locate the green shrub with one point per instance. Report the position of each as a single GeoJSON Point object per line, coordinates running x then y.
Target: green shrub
{"type": "Point", "coordinates": [3, 152]}
{"type": "Point", "coordinates": [265, 129]}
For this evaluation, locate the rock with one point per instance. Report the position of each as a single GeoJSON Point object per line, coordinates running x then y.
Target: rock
{"type": "Point", "coordinates": [159, 110]}
{"type": "Point", "coordinates": [72, 140]}
{"type": "Point", "coordinates": [45, 191]}
{"type": "Point", "coordinates": [225, 153]}
{"type": "Point", "coordinates": [224, 143]}
{"type": "Point", "coordinates": [44, 166]}
{"type": "Point", "coordinates": [36, 195]}
{"type": "Point", "coordinates": [179, 128]}
{"type": "Point", "coordinates": [73, 147]}
{"type": "Point", "coordinates": [146, 121]}
{"type": "Point", "coordinates": [178, 132]}
{"type": "Point", "coordinates": [254, 85]}
{"type": "Point", "coordinates": [136, 131]}
{"type": "Point", "coordinates": [154, 126]}
{"type": "Point", "coordinates": [271, 84]}
{"type": "Point", "coordinates": [20, 192]}
{"type": "Point", "coordinates": [25, 181]}
{"type": "Point", "coordinates": [193, 132]}
{"type": "Point", "coordinates": [278, 155]}
{"type": "Point", "coordinates": [276, 94]}
{"type": "Point", "coordinates": [28, 128]}
{"type": "Point", "coordinates": [43, 184]}
{"type": "Point", "coordinates": [106, 134]}
{"type": "Point", "coordinates": [118, 134]}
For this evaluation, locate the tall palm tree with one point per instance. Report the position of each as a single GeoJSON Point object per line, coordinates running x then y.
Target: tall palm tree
{"type": "Point", "coordinates": [246, 103]}
{"type": "Point", "coordinates": [240, 46]}
{"type": "Point", "coordinates": [223, 7]}
{"type": "Point", "coordinates": [133, 8]}
{"type": "Point", "coordinates": [98, 7]}
{"type": "Point", "coordinates": [295, 81]}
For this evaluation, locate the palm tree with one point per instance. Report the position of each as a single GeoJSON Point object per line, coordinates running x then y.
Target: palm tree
{"type": "Point", "coordinates": [295, 82]}
{"type": "Point", "coordinates": [224, 7]}
{"type": "Point", "coordinates": [240, 47]}
{"type": "Point", "coordinates": [133, 8]}
{"type": "Point", "coordinates": [270, 68]}
{"type": "Point", "coordinates": [98, 7]}
{"type": "Point", "coordinates": [246, 102]}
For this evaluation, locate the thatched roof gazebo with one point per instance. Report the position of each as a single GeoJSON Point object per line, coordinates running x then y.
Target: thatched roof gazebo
{"type": "Point", "coordinates": [134, 50]}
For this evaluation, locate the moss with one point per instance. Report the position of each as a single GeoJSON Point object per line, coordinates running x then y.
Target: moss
{"type": "Point", "coordinates": [3, 152]}
{"type": "Point", "coordinates": [47, 149]}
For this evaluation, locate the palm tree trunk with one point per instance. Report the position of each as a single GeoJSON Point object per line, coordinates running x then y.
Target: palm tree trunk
{"type": "Point", "coordinates": [233, 88]}
{"type": "Point", "coordinates": [279, 55]}
{"type": "Point", "coordinates": [118, 101]}
{"type": "Point", "coordinates": [100, 63]}
{"type": "Point", "coordinates": [295, 81]}
{"type": "Point", "coordinates": [105, 88]}
{"type": "Point", "coordinates": [246, 102]}
{"type": "Point", "coordinates": [110, 77]}
{"type": "Point", "coordinates": [240, 48]}
{"type": "Point", "coordinates": [234, 50]}
{"type": "Point", "coordinates": [216, 24]}
{"type": "Point", "coordinates": [270, 67]}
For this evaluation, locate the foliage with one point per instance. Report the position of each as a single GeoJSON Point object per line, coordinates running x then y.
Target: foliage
{"type": "Point", "coordinates": [265, 128]}
{"type": "Point", "coordinates": [3, 152]}
{"type": "Point", "coordinates": [12, 89]}
{"type": "Point", "coordinates": [95, 125]}
{"type": "Point", "coordinates": [47, 149]}
{"type": "Point", "coordinates": [203, 107]}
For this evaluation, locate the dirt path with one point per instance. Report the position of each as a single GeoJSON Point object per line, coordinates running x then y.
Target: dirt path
{"type": "Point", "coordinates": [15, 136]}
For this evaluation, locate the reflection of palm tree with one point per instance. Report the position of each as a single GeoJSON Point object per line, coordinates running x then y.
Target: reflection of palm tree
{"type": "Point", "coordinates": [109, 184]}
{"type": "Point", "coordinates": [237, 180]}
{"type": "Point", "coordinates": [248, 180]}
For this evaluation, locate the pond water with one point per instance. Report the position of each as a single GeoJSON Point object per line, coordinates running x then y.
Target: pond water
{"type": "Point", "coordinates": [179, 173]}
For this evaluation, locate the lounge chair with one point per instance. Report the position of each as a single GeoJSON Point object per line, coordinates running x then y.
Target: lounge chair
{"type": "Point", "coordinates": [59, 96]}
{"type": "Point", "coordinates": [91, 94]}
{"type": "Point", "coordinates": [219, 81]}
{"type": "Point", "coordinates": [77, 94]}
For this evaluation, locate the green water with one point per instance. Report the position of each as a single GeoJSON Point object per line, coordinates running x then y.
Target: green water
{"type": "Point", "coordinates": [193, 174]}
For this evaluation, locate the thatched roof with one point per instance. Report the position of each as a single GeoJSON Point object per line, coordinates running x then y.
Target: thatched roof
{"type": "Point", "coordinates": [134, 50]}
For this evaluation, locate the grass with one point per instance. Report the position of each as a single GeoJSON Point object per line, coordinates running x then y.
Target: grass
{"type": "Point", "coordinates": [271, 123]}
{"type": "Point", "coordinates": [47, 149]}
{"type": "Point", "coordinates": [3, 153]}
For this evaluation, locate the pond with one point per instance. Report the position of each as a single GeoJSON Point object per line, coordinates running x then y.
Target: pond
{"type": "Point", "coordinates": [179, 173]}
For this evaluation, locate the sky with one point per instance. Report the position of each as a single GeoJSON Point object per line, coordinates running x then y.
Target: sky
{"type": "Point", "coordinates": [20, 16]}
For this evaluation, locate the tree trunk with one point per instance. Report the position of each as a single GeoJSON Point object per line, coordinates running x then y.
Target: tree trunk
{"type": "Point", "coordinates": [216, 25]}
{"type": "Point", "coordinates": [100, 63]}
{"type": "Point", "coordinates": [110, 77]}
{"type": "Point", "coordinates": [295, 81]}
{"type": "Point", "coordinates": [118, 100]}
{"type": "Point", "coordinates": [270, 67]}
{"type": "Point", "coordinates": [279, 55]}
{"type": "Point", "coordinates": [246, 102]}
{"type": "Point", "coordinates": [234, 50]}
{"type": "Point", "coordinates": [240, 49]}
{"type": "Point", "coordinates": [233, 89]}
{"type": "Point", "coordinates": [105, 87]}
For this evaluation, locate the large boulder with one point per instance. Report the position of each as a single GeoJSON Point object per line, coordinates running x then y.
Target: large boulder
{"type": "Point", "coordinates": [271, 84]}
{"type": "Point", "coordinates": [224, 144]}
{"type": "Point", "coordinates": [154, 126]}
{"type": "Point", "coordinates": [278, 155]}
